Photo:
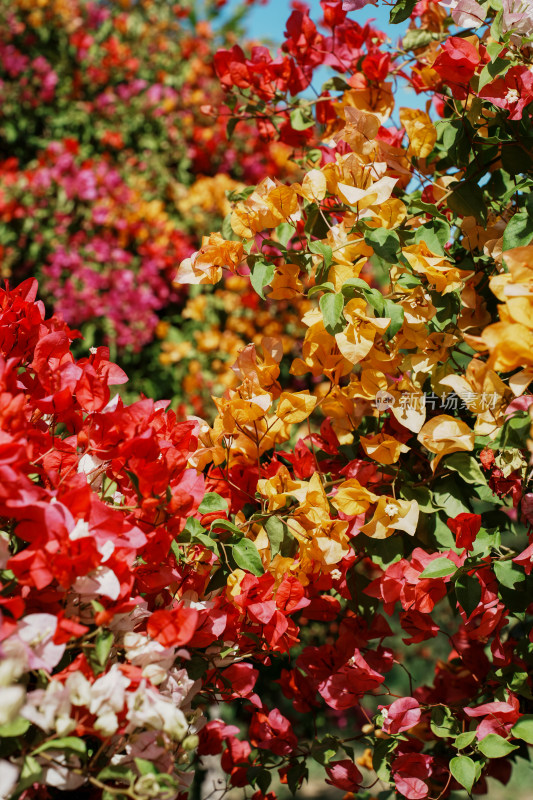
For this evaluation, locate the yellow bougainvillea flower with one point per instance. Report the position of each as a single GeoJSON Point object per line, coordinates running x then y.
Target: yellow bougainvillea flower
{"type": "Point", "coordinates": [313, 187]}
{"type": "Point", "coordinates": [439, 272]}
{"type": "Point", "coordinates": [375, 194]}
{"type": "Point", "coordinates": [262, 373]}
{"type": "Point", "coordinates": [295, 406]}
{"type": "Point", "coordinates": [329, 545]}
{"type": "Point", "coordinates": [443, 435]}
{"type": "Point", "coordinates": [352, 498]}
{"type": "Point", "coordinates": [233, 583]}
{"type": "Point", "coordinates": [356, 340]}
{"type": "Point", "coordinates": [283, 201]}
{"type": "Point", "coordinates": [278, 488]}
{"type": "Point", "coordinates": [321, 355]}
{"type": "Point", "coordinates": [392, 515]}
{"type": "Point", "coordinates": [484, 394]}
{"type": "Point", "coordinates": [238, 411]}
{"type": "Point", "coordinates": [314, 508]}
{"type": "Point", "coordinates": [205, 266]}
{"type": "Point", "coordinates": [383, 448]}
{"type": "Point", "coordinates": [267, 206]}
{"type": "Point", "coordinates": [420, 130]}
{"type": "Point", "coordinates": [360, 130]}
{"type": "Point", "coordinates": [510, 346]}
{"type": "Point", "coordinates": [190, 272]}
{"type": "Point", "coordinates": [376, 100]}
{"type": "Point", "coordinates": [515, 288]}
{"type": "Point", "coordinates": [286, 284]}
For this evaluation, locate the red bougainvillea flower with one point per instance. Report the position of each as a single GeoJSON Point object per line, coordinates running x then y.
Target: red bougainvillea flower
{"type": "Point", "coordinates": [465, 528]}
{"type": "Point", "coordinates": [457, 64]}
{"type": "Point", "coordinates": [401, 715]}
{"type": "Point", "coordinates": [273, 732]}
{"type": "Point", "coordinates": [344, 775]}
{"type": "Point", "coordinates": [513, 92]}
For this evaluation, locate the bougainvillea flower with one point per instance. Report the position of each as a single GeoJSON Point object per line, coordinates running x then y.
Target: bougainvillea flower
{"type": "Point", "coordinates": [465, 528]}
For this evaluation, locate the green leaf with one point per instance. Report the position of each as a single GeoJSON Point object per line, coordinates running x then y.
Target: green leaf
{"type": "Point", "coordinates": [467, 467]}
{"type": "Point", "coordinates": [497, 67]}
{"type": "Point", "coordinates": [295, 774]}
{"type": "Point", "coordinates": [468, 199]}
{"type": "Point", "coordinates": [321, 287]}
{"type": "Point", "coordinates": [384, 242]}
{"type": "Point", "coordinates": [246, 556]}
{"type": "Point", "coordinates": [380, 758]}
{"type": "Point", "coordinates": [494, 746]}
{"type": "Point", "coordinates": [102, 646]}
{"type": "Point", "coordinates": [337, 84]}
{"type": "Point", "coordinates": [402, 11]}
{"type": "Point", "coordinates": [350, 286]}
{"type": "Point", "coordinates": [114, 772]}
{"type": "Point", "coordinates": [435, 234]}
{"type": "Point", "coordinates": [443, 722]}
{"type": "Point", "coordinates": [523, 729]}
{"type": "Point", "coordinates": [323, 751]}
{"type": "Point", "coordinates": [213, 502]}
{"type": "Point", "coordinates": [30, 773]}
{"type": "Point", "coordinates": [509, 574]}
{"type": "Point", "coordinates": [284, 231]}
{"type": "Point", "coordinates": [324, 250]}
{"type": "Point", "coordinates": [16, 727]}
{"type": "Point", "coordinates": [468, 592]}
{"type": "Point", "coordinates": [451, 496]}
{"type": "Point", "coordinates": [396, 313]}
{"type": "Point", "coordinates": [260, 777]}
{"type": "Point", "coordinates": [439, 568]}
{"type": "Point", "coordinates": [218, 579]}
{"type": "Point", "coordinates": [226, 230]}
{"type": "Point", "coordinates": [301, 119]}
{"type": "Point", "coordinates": [415, 202]}
{"type": "Point", "coordinates": [465, 739]}
{"type": "Point", "coordinates": [206, 540]}
{"type": "Point", "coordinates": [260, 276]}
{"type": "Point", "coordinates": [463, 770]}
{"type": "Point", "coordinates": [519, 230]}
{"type": "Point", "coordinates": [422, 495]}
{"type": "Point", "coordinates": [191, 529]}
{"type": "Point", "coordinates": [226, 525]}
{"type": "Point", "coordinates": [145, 767]}
{"type": "Point", "coordinates": [331, 306]}
{"type": "Point", "coordinates": [230, 127]}
{"type": "Point", "coordinates": [280, 538]}
{"type": "Point", "coordinates": [71, 743]}
{"type": "Point", "coordinates": [416, 37]}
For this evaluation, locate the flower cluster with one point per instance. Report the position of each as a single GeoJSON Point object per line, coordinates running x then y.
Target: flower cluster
{"type": "Point", "coordinates": [371, 561]}
{"type": "Point", "coordinates": [104, 117]}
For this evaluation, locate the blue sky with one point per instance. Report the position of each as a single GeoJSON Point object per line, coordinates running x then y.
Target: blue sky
{"type": "Point", "coordinates": [268, 22]}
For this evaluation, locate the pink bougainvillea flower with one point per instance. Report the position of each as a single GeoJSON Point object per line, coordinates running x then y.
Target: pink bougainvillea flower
{"type": "Point", "coordinates": [401, 715]}
{"type": "Point", "coordinates": [344, 775]}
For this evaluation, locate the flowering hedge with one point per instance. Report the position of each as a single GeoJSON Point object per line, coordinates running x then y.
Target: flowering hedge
{"type": "Point", "coordinates": [114, 161]}
{"type": "Point", "coordinates": [354, 526]}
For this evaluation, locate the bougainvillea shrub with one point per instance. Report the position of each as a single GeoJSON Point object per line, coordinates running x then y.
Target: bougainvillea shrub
{"type": "Point", "coordinates": [353, 529]}
{"type": "Point", "coordinates": [114, 160]}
